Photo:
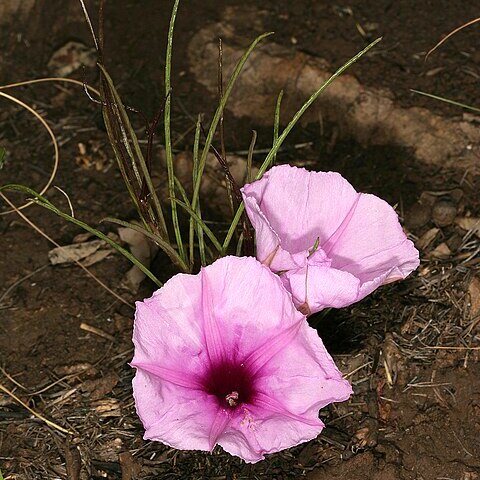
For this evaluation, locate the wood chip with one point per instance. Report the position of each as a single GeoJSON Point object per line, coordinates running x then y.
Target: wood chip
{"type": "Point", "coordinates": [427, 238]}
{"type": "Point", "coordinates": [469, 224]}
{"type": "Point", "coordinates": [96, 331]}
{"type": "Point", "coordinates": [474, 292]}
{"type": "Point", "coordinates": [100, 387]}
{"type": "Point", "coordinates": [108, 407]}
{"type": "Point", "coordinates": [90, 252]}
{"type": "Point", "coordinates": [130, 468]}
{"type": "Point", "coordinates": [73, 461]}
{"type": "Point", "coordinates": [442, 251]}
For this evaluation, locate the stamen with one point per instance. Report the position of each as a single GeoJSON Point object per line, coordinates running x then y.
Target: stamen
{"type": "Point", "coordinates": [232, 399]}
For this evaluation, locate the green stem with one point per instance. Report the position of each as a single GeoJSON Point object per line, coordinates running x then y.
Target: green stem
{"type": "Point", "coordinates": [196, 144]}
{"type": "Point", "coordinates": [168, 139]}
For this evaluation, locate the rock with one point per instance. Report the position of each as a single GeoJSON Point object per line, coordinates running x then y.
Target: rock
{"type": "Point", "coordinates": [370, 115]}
{"type": "Point", "coordinates": [456, 195]}
{"type": "Point", "coordinates": [143, 249]}
{"type": "Point", "coordinates": [444, 213]}
{"type": "Point", "coordinates": [130, 467]}
{"type": "Point", "coordinates": [427, 198]}
{"type": "Point", "coordinates": [418, 216]}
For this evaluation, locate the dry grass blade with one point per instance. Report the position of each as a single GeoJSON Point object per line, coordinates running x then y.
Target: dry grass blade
{"type": "Point", "coordinates": [55, 147]}
{"type": "Point", "coordinates": [42, 121]}
{"type": "Point", "coordinates": [89, 22]}
{"type": "Point", "coordinates": [19, 385]}
{"type": "Point", "coordinates": [33, 412]}
{"type": "Point", "coordinates": [96, 331]}
{"type": "Point", "coordinates": [441, 347]}
{"type": "Point", "coordinates": [443, 40]}
{"type": "Point", "coordinates": [50, 79]}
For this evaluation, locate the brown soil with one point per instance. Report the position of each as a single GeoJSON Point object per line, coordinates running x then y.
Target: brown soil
{"type": "Point", "coordinates": [416, 409]}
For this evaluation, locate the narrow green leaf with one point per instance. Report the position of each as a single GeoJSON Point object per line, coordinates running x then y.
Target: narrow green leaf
{"type": "Point", "coordinates": [233, 226]}
{"type": "Point", "coordinates": [447, 100]}
{"type": "Point", "coordinates": [268, 159]}
{"type": "Point", "coordinates": [248, 178]}
{"type": "Point", "coordinates": [314, 248]}
{"type": "Point", "coordinates": [168, 139]}
{"type": "Point", "coordinates": [201, 240]}
{"type": "Point", "coordinates": [276, 122]}
{"type": "Point", "coordinates": [43, 202]}
{"type": "Point", "coordinates": [202, 224]}
{"type": "Point", "coordinates": [3, 154]}
{"type": "Point", "coordinates": [182, 191]}
{"type": "Point", "coordinates": [271, 154]}
{"type": "Point", "coordinates": [191, 239]}
{"type": "Point", "coordinates": [238, 252]}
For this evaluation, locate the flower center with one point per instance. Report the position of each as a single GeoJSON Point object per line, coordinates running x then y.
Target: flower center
{"type": "Point", "coordinates": [232, 399]}
{"type": "Point", "coordinates": [232, 384]}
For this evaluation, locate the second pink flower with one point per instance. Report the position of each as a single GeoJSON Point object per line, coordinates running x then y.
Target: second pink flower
{"type": "Point", "coordinates": [331, 245]}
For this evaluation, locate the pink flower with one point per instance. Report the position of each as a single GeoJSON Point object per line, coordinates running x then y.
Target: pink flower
{"type": "Point", "coordinates": [223, 357]}
{"type": "Point", "coordinates": [331, 245]}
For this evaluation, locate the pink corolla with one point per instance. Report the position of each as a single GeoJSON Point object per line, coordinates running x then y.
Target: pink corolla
{"type": "Point", "coordinates": [223, 357]}
{"type": "Point", "coordinates": [331, 245]}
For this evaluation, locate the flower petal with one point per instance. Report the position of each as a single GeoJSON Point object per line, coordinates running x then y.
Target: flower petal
{"type": "Point", "coordinates": [182, 379]}
{"type": "Point", "coordinates": [258, 432]}
{"type": "Point", "coordinates": [270, 404]}
{"type": "Point", "coordinates": [178, 416]}
{"type": "Point", "coordinates": [303, 387]}
{"type": "Point", "coordinates": [222, 419]}
{"type": "Point", "coordinates": [373, 243]}
{"type": "Point", "coordinates": [232, 329]}
{"type": "Point", "coordinates": [213, 338]}
{"type": "Point", "coordinates": [164, 333]}
{"type": "Point", "coordinates": [262, 354]}
{"type": "Point", "coordinates": [358, 235]}
{"type": "Point", "coordinates": [320, 287]}
{"type": "Point", "coordinates": [249, 302]}
{"type": "Point", "coordinates": [285, 412]}
{"type": "Point", "coordinates": [298, 205]}
{"type": "Point", "coordinates": [268, 247]}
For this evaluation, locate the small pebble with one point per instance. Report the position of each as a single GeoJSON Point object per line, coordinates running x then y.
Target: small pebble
{"type": "Point", "coordinates": [444, 213]}
{"type": "Point", "coordinates": [417, 216]}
